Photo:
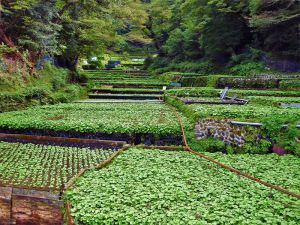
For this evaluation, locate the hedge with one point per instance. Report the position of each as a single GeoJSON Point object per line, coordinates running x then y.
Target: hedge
{"type": "Point", "coordinates": [200, 81]}
{"type": "Point", "coordinates": [256, 83]}
{"type": "Point", "coordinates": [292, 84]}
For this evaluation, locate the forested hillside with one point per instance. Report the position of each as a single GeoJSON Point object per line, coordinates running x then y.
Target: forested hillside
{"type": "Point", "coordinates": [149, 112]}
{"type": "Point", "coordinates": [225, 35]}
{"type": "Point", "coordinates": [36, 36]}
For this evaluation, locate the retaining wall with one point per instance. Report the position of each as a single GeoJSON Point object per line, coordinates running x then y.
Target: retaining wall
{"type": "Point", "coordinates": [221, 129]}
{"type": "Point", "coordinates": [29, 207]}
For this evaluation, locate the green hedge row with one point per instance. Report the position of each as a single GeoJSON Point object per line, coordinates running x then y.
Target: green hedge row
{"type": "Point", "coordinates": [292, 84]}
{"type": "Point", "coordinates": [200, 81]}
{"type": "Point", "coordinates": [257, 83]}
{"type": "Point", "coordinates": [211, 92]}
{"type": "Point", "coordinates": [219, 81]}
{"type": "Point", "coordinates": [37, 96]}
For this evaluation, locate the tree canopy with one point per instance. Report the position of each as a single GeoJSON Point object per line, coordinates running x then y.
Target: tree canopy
{"type": "Point", "coordinates": [220, 31]}
{"type": "Point", "coordinates": [209, 33]}
{"type": "Point", "coordinates": [69, 29]}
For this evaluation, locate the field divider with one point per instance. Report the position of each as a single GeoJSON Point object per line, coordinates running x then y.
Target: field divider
{"type": "Point", "coordinates": [98, 166]}
{"type": "Point", "coordinates": [26, 137]}
{"type": "Point", "coordinates": [164, 148]}
{"type": "Point", "coordinates": [225, 166]}
{"type": "Point", "coordinates": [70, 184]}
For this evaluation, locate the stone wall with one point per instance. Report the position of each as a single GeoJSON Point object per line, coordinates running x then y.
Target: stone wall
{"type": "Point", "coordinates": [29, 207]}
{"type": "Point", "coordinates": [222, 130]}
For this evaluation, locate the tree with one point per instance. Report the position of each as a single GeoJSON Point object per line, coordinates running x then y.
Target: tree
{"type": "Point", "coordinates": [90, 26]}
{"type": "Point", "coordinates": [276, 27]}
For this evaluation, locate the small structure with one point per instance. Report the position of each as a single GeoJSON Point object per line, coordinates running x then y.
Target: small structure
{"type": "Point", "coordinates": [224, 99]}
{"type": "Point", "coordinates": [112, 64]}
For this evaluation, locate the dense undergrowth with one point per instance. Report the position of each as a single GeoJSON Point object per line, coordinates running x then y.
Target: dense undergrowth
{"type": "Point", "coordinates": [49, 85]}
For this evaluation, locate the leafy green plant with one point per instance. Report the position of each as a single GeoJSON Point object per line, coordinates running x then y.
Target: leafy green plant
{"type": "Point", "coordinates": [92, 118]}
{"type": "Point", "coordinates": [211, 145]}
{"type": "Point", "coordinates": [291, 84]}
{"type": "Point", "coordinates": [44, 166]}
{"type": "Point", "coordinates": [162, 187]}
{"type": "Point", "coordinates": [247, 69]}
{"type": "Point", "coordinates": [284, 136]}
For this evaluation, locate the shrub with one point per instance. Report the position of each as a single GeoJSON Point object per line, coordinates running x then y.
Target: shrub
{"type": "Point", "coordinates": [202, 67]}
{"type": "Point", "coordinates": [212, 145]}
{"type": "Point", "coordinates": [78, 77]}
{"type": "Point", "coordinates": [256, 147]}
{"type": "Point", "coordinates": [283, 136]}
{"type": "Point", "coordinates": [237, 82]}
{"type": "Point", "coordinates": [37, 93]}
{"type": "Point", "coordinates": [201, 81]}
{"type": "Point", "coordinates": [292, 84]}
{"type": "Point", "coordinates": [11, 101]}
{"type": "Point", "coordinates": [194, 81]}
{"type": "Point", "coordinates": [247, 69]}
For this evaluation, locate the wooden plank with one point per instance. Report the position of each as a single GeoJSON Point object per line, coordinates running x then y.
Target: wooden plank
{"type": "Point", "coordinates": [253, 124]}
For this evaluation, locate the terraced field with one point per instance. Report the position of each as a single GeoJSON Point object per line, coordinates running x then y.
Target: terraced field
{"type": "Point", "coordinates": [158, 187]}
{"type": "Point", "coordinates": [111, 118]}
{"type": "Point", "coordinates": [142, 186]}
{"type": "Point", "coordinates": [45, 167]}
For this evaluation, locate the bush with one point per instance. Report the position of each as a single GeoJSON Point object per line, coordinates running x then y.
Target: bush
{"type": "Point", "coordinates": [11, 101]}
{"type": "Point", "coordinates": [201, 67]}
{"type": "Point", "coordinates": [247, 69]}
{"type": "Point", "coordinates": [292, 84]}
{"type": "Point", "coordinates": [212, 145]}
{"type": "Point", "coordinates": [162, 64]}
{"type": "Point", "coordinates": [148, 62]}
{"type": "Point", "coordinates": [57, 76]}
{"type": "Point", "coordinates": [78, 77]}
{"type": "Point", "coordinates": [70, 93]}
{"type": "Point", "coordinates": [194, 81]}
{"type": "Point", "coordinates": [37, 93]}
{"type": "Point", "coordinates": [256, 147]}
{"type": "Point", "coordinates": [283, 136]}
{"type": "Point", "coordinates": [258, 83]}
{"type": "Point", "coordinates": [200, 81]}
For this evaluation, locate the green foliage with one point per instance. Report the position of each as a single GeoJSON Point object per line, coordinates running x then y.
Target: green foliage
{"type": "Point", "coordinates": [211, 92]}
{"type": "Point", "coordinates": [223, 35]}
{"type": "Point", "coordinates": [271, 167]}
{"type": "Point", "coordinates": [248, 112]}
{"type": "Point", "coordinates": [256, 112]}
{"type": "Point", "coordinates": [161, 65]}
{"type": "Point", "coordinates": [36, 93]}
{"type": "Point", "coordinates": [254, 6]}
{"type": "Point", "coordinates": [255, 147]}
{"type": "Point", "coordinates": [211, 145]}
{"type": "Point", "coordinates": [291, 84]}
{"type": "Point", "coordinates": [284, 136]}
{"type": "Point", "coordinates": [228, 33]}
{"type": "Point", "coordinates": [141, 185]}
{"type": "Point", "coordinates": [69, 30]}
{"type": "Point", "coordinates": [247, 69]}
{"type": "Point", "coordinates": [92, 118]}
{"type": "Point", "coordinates": [50, 86]}
{"type": "Point", "coordinates": [28, 165]}
{"type": "Point", "coordinates": [275, 22]}
{"type": "Point", "coordinates": [247, 83]}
